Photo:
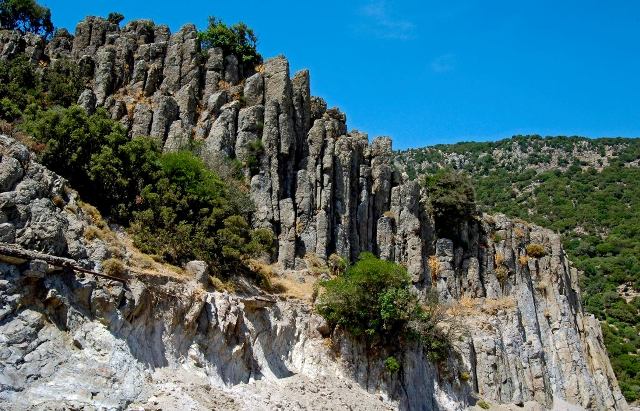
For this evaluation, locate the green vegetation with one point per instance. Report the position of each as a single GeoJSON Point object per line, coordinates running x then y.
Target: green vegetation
{"type": "Point", "coordinates": [392, 365]}
{"type": "Point", "coordinates": [22, 85]}
{"type": "Point", "coordinates": [237, 39]}
{"type": "Point", "coordinates": [27, 16]}
{"type": "Point", "coordinates": [115, 18]}
{"type": "Point", "coordinates": [483, 404]}
{"type": "Point", "coordinates": [374, 299]}
{"type": "Point", "coordinates": [594, 204]}
{"type": "Point", "coordinates": [451, 199]}
{"type": "Point", "coordinates": [175, 207]}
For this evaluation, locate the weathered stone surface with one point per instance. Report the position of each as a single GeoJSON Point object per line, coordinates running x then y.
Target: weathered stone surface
{"type": "Point", "coordinates": [199, 270]}
{"type": "Point", "coordinates": [88, 101]}
{"type": "Point", "coordinates": [165, 112]}
{"type": "Point", "coordinates": [28, 216]}
{"type": "Point", "coordinates": [182, 65]}
{"type": "Point", "coordinates": [142, 118]}
{"type": "Point", "coordinates": [7, 233]}
{"type": "Point", "coordinates": [254, 90]}
{"type": "Point", "coordinates": [222, 137]}
{"type": "Point", "coordinates": [231, 75]}
{"type": "Point", "coordinates": [104, 74]}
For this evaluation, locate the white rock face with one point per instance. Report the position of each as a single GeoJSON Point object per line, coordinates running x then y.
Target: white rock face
{"type": "Point", "coordinates": [88, 344]}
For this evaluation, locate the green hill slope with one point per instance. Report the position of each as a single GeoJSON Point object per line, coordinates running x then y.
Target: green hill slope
{"type": "Point", "coordinates": [589, 191]}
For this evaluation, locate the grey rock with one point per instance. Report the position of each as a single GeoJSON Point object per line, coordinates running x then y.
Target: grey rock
{"type": "Point", "coordinates": [165, 112]}
{"type": "Point", "coordinates": [10, 172]}
{"type": "Point", "coordinates": [182, 65]}
{"type": "Point", "coordinates": [36, 269]}
{"type": "Point", "coordinates": [317, 108]}
{"type": "Point", "coordinates": [7, 233]}
{"type": "Point", "coordinates": [231, 75]}
{"type": "Point", "coordinates": [104, 75]}
{"type": "Point", "coordinates": [221, 139]}
{"type": "Point", "coordinates": [216, 101]}
{"type": "Point", "coordinates": [254, 90]}
{"type": "Point", "coordinates": [199, 270]}
{"type": "Point", "coordinates": [88, 101]}
{"type": "Point", "coordinates": [142, 119]}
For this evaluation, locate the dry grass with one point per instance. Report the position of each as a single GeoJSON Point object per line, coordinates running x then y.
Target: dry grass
{"type": "Point", "coordinates": [6, 127]}
{"type": "Point", "coordinates": [523, 260]}
{"type": "Point", "coordinates": [434, 268]}
{"type": "Point", "coordinates": [289, 285]}
{"type": "Point", "coordinates": [542, 286]}
{"type": "Point", "coordinates": [58, 201]}
{"type": "Point", "coordinates": [114, 267]}
{"type": "Point", "coordinates": [389, 214]}
{"type": "Point", "coordinates": [502, 273]}
{"type": "Point", "coordinates": [140, 263]}
{"type": "Point", "coordinates": [493, 306]}
{"type": "Point", "coordinates": [519, 232]}
{"type": "Point", "coordinates": [223, 286]}
{"type": "Point", "coordinates": [265, 274]}
{"type": "Point", "coordinates": [536, 250]}
{"type": "Point", "coordinates": [465, 307]}
{"type": "Point", "coordinates": [473, 307]}
{"type": "Point", "coordinates": [93, 214]}
{"type": "Point", "coordinates": [316, 265]}
{"type": "Point", "coordinates": [499, 259]}
{"type": "Point", "coordinates": [92, 232]}
{"type": "Point", "coordinates": [224, 85]}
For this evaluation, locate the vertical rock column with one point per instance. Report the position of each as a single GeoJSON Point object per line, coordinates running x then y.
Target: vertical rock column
{"type": "Point", "coordinates": [349, 156]}
{"type": "Point", "coordinates": [277, 169]}
{"type": "Point", "coordinates": [406, 209]}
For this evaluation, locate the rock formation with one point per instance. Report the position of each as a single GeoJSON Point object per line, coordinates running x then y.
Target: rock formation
{"type": "Point", "coordinates": [80, 342]}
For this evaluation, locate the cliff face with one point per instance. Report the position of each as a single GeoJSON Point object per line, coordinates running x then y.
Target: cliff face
{"type": "Point", "coordinates": [322, 190]}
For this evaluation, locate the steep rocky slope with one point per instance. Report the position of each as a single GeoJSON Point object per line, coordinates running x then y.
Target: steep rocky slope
{"type": "Point", "coordinates": [585, 189]}
{"type": "Point", "coordinates": [78, 341]}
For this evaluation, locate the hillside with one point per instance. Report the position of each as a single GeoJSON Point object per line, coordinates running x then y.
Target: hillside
{"type": "Point", "coordinates": [244, 250]}
{"type": "Point", "coordinates": [585, 189]}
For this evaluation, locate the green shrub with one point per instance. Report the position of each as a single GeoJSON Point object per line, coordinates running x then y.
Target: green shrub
{"type": "Point", "coordinates": [392, 365]}
{"type": "Point", "coordinates": [71, 139]}
{"type": "Point", "coordinates": [115, 17]}
{"type": "Point", "coordinates": [451, 198]}
{"type": "Point", "coordinates": [337, 264]}
{"type": "Point", "coordinates": [190, 213]}
{"type": "Point", "coordinates": [483, 404]}
{"type": "Point", "coordinates": [374, 299]}
{"type": "Point", "coordinates": [502, 273]}
{"type": "Point", "coordinates": [23, 84]}
{"type": "Point", "coordinates": [237, 39]}
{"type": "Point", "coordinates": [174, 206]}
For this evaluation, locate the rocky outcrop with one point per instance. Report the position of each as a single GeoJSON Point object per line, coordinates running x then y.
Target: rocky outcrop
{"type": "Point", "coordinates": [38, 211]}
{"type": "Point", "coordinates": [525, 335]}
{"type": "Point", "coordinates": [322, 190]}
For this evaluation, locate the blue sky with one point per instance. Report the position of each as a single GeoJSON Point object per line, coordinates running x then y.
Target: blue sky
{"type": "Point", "coordinates": [428, 72]}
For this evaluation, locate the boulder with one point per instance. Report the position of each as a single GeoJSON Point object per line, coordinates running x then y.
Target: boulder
{"type": "Point", "coordinates": [199, 271]}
